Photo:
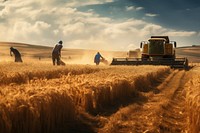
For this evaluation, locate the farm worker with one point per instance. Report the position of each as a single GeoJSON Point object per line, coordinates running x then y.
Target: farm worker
{"type": "Point", "coordinates": [97, 58]}
{"type": "Point", "coordinates": [16, 54]}
{"type": "Point", "coordinates": [56, 53]}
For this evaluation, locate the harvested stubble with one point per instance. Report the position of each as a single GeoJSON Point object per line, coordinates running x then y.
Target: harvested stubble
{"type": "Point", "coordinates": [193, 104]}
{"type": "Point", "coordinates": [43, 105]}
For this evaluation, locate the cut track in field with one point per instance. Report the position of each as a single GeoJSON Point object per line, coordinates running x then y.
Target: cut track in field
{"type": "Point", "coordinates": [173, 118]}
{"type": "Point", "coordinates": [163, 112]}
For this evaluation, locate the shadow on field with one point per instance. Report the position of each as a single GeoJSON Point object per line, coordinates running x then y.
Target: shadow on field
{"type": "Point", "coordinates": [137, 98]}
{"type": "Point", "coordinates": [90, 122]}
{"type": "Point", "coordinates": [78, 126]}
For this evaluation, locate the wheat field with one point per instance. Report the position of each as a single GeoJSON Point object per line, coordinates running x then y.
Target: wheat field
{"type": "Point", "coordinates": [41, 97]}
{"type": "Point", "coordinates": [193, 102]}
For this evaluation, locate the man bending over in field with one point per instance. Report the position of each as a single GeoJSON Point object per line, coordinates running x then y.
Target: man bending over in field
{"type": "Point", "coordinates": [56, 53]}
{"type": "Point", "coordinates": [16, 53]}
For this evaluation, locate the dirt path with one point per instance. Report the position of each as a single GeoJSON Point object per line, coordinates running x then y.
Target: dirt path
{"type": "Point", "coordinates": [163, 112]}
{"type": "Point", "coordinates": [174, 114]}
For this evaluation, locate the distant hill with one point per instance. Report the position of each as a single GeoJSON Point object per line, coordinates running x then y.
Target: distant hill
{"type": "Point", "coordinates": [34, 52]}
{"type": "Point", "coordinates": [191, 52]}
{"type": "Point", "coordinates": [80, 56]}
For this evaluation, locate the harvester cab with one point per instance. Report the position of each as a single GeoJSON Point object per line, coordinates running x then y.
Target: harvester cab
{"type": "Point", "coordinates": [158, 47]}
{"type": "Point", "coordinates": [158, 50]}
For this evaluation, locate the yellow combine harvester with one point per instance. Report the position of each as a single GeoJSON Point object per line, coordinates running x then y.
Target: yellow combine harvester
{"type": "Point", "coordinates": [158, 50]}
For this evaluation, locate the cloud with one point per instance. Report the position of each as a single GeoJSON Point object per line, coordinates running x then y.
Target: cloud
{"type": "Point", "coordinates": [152, 29]}
{"type": "Point", "coordinates": [139, 8]}
{"type": "Point", "coordinates": [23, 31]}
{"type": "Point", "coordinates": [181, 33]}
{"type": "Point", "coordinates": [5, 11]}
{"type": "Point", "coordinates": [151, 15]}
{"type": "Point", "coordinates": [133, 8]}
{"type": "Point", "coordinates": [78, 3]}
{"type": "Point", "coordinates": [33, 22]}
{"type": "Point", "coordinates": [129, 8]}
{"type": "Point", "coordinates": [76, 28]}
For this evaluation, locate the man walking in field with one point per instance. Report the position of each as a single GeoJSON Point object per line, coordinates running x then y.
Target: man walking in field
{"type": "Point", "coordinates": [56, 53]}
{"type": "Point", "coordinates": [16, 54]}
{"type": "Point", "coordinates": [97, 58]}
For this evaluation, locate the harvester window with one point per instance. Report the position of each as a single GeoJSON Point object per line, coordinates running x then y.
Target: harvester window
{"type": "Point", "coordinates": [168, 49]}
{"type": "Point", "coordinates": [156, 47]}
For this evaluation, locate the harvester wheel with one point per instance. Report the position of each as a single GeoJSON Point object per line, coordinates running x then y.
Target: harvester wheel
{"type": "Point", "coordinates": [186, 64]}
{"type": "Point", "coordinates": [144, 59]}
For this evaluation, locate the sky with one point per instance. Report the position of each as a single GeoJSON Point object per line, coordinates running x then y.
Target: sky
{"type": "Point", "coordinates": [99, 24]}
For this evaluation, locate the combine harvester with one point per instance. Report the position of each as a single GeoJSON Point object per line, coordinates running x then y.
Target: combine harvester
{"type": "Point", "coordinates": [157, 51]}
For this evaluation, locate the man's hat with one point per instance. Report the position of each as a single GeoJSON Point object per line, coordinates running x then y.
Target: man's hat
{"type": "Point", "coordinates": [60, 42]}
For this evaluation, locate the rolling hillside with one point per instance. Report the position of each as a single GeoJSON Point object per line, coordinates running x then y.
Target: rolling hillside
{"type": "Point", "coordinates": [191, 52]}
{"type": "Point", "coordinates": [80, 56]}
{"type": "Point", "coordinates": [34, 52]}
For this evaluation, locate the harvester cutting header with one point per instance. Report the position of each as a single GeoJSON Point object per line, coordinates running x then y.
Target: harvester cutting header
{"type": "Point", "coordinates": [158, 50]}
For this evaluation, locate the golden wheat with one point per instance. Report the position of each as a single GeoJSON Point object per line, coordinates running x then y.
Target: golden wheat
{"type": "Point", "coordinates": [24, 72]}
{"type": "Point", "coordinates": [44, 104]}
{"type": "Point", "coordinates": [193, 100]}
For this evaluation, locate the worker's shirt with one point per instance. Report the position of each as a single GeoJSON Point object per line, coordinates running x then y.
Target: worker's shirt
{"type": "Point", "coordinates": [97, 57]}
{"type": "Point", "coordinates": [15, 52]}
{"type": "Point", "coordinates": [57, 49]}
